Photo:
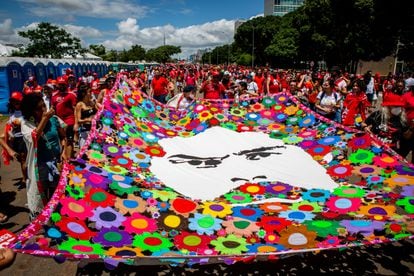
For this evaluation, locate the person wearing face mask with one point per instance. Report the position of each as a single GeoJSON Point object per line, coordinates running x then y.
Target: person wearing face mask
{"type": "Point", "coordinates": [389, 123]}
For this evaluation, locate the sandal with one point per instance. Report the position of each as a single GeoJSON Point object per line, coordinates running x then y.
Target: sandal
{"type": "Point", "coordinates": [3, 218]}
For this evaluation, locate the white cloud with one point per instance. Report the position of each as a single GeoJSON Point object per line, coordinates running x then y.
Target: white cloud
{"type": "Point", "coordinates": [190, 38]}
{"type": "Point", "coordinates": [89, 8]}
{"type": "Point", "coordinates": [82, 32]}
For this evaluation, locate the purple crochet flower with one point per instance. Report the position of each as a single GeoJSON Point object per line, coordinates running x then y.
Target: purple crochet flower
{"type": "Point", "coordinates": [407, 190]}
{"type": "Point", "coordinates": [405, 169]}
{"type": "Point", "coordinates": [113, 237]}
{"type": "Point", "coordinates": [107, 217]}
{"type": "Point", "coordinates": [96, 180]}
{"type": "Point", "coordinates": [278, 188]}
{"type": "Point", "coordinates": [364, 227]}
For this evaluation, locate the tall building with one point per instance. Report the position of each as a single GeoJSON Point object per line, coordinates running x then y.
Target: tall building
{"type": "Point", "coordinates": [281, 7]}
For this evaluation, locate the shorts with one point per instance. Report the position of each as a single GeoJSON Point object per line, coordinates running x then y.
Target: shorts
{"type": "Point", "coordinates": [70, 134]}
{"type": "Point", "coordinates": [18, 145]}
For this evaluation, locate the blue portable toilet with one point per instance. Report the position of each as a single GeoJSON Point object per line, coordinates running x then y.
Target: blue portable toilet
{"type": "Point", "coordinates": [40, 73]}
{"type": "Point", "coordinates": [93, 68]}
{"type": "Point", "coordinates": [79, 70]}
{"type": "Point", "coordinates": [84, 68]}
{"type": "Point", "coordinates": [51, 71]}
{"type": "Point", "coordinates": [65, 66]}
{"type": "Point", "coordinates": [28, 70]}
{"type": "Point", "coordinates": [15, 76]}
{"type": "Point", "coordinates": [73, 67]}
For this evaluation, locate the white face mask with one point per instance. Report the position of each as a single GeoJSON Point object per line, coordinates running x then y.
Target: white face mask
{"type": "Point", "coordinates": [396, 111]}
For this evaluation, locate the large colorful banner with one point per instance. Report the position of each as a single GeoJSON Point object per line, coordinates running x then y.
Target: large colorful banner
{"type": "Point", "coordinates": [221, 181]}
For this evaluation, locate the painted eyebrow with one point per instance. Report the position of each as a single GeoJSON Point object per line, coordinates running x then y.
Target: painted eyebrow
{"type": "Point", "coordinates": [261, 149]}
{"type": "Point", "coordinates": [184, 156]}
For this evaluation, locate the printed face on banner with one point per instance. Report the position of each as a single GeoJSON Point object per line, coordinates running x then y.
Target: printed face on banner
{"type": "Point", "coordinates": [218, 160]}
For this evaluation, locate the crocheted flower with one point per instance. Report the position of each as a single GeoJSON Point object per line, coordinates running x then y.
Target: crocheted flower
{"type": "Point", "coordinates": [183, 206]}
{"type": "Point", "coordinates": [170, 221]}
{"type": "Point", "coordinates": [407, 190]}
{"type": "Point", "coordinates": [121, 188]}
{"type": "Point", "coordinates": [399, 180]}
{"type": "Point", "coordinates": [377, 212]}
{"type": "Point", "coordinates": [238, 197]}
{"type": "Point", "coordinates": [124, 251]}
{"type": "Point", "coordinates": [115, 169]}
{"type": "Point", "coordinates": [155, 151]}
{"type": "Point", "coordinates": [360, 142]}
{"type": "Point", "coordinates": [191, 241]}
{"type": "Point", "coordinates": [98, 197]}
{"type": "Point", "coordinates": [231, 245]}
{"type": "Point", "coordinates": [112, 237]}
{"type": "Point", "coordinates": [248, 213]}
{"type": "Point", "coordinates": [364, 227]}
{"type": "Point", "coordinates": [131, 204]}
{"type": "Point", "coordinates": [319, 150]}
{"type": "Point", "coordinates": [75, 192]}
{"type": "Point", "coordinates": [273, 207]}
{"type": "Point", "coordinates": [240, 227]}
{"type": "Point", "coordinates": [252, 189]}
{"type": "Point", "coordinates": [297, 237]}
{"type": "Point", "coordinates": [152, 242]}
{"type": "Point", "coordinates": [265, 248]}
{"type": "Point", "coordinates": [349, 192]}
{"type": "Point", "coordinates": [324, 228]}
{"type": "Point", "coordinates": [95, 180]}
{"type": "Point", "coordinates": [75, 208]}
{"type": "Point", "coordinates": [164, 195]}
{"type": "Point", "coordinates": [216, 209]}
{"type": "Point", "coordinates": [316, 195]}
{"type": "Point", "coordinates": [366, 170]}
{"type": "Point", "coordinates": [204, 224]}
{"type": "Point", "coordinates": [138, 224]}
{"type": "Point", "coordinates": [385, 161]}
{"type": "Point", "coordinates": [107, 217]}
{"type": "Point", "coordinates": [407, 203]}
{"type": "Point", "coordinates": [330, 241]}
{"type": "Point", "coordinates": [343, 205]}
{"type": "Point", "coordinates": [405, 169]}
{"type": "Point", "coordinates": [81, 247]}
{"type": "Point", "coordinates": [268, 102]}
{"type": "Point", "coordinates": [76, 179]}
{"type": "Point", "coordinates": [75, 228]}
{"type": "Point", "coordinates": [306, 206]}
{"type": "Point", "coordinates": [296, 216]}
{"type": "Point", "coordinates": [340, 171]}
{"type": "Point", "coordinates": [273, 223]}
{"type": "Point", "coordinates": [55, 233]}
{"type": "Point", "coordinates": [361, 156]}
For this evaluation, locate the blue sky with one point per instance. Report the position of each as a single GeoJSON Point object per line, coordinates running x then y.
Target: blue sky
{"type": "Point", "coordinates": [119, 24]}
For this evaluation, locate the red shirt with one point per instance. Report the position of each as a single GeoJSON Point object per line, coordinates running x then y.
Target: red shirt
{"type": "Point", "coordinates": [159, 85]}
{"type": "Point", "coordinates": [259, 80]}
{"type": "Point", "coordinates": [213, 90]}
{"type": "Point", "coordinates": [64, 104]}
{"type": "Point", "coordinates": [408, 99]}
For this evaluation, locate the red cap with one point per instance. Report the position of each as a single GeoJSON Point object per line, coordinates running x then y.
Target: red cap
{"type": "Point", "coordinates": [392, 99]}
{"type": "Point", "coordinates": [16, 96]}
{"type": "Point", "coordinates": [61, 80]}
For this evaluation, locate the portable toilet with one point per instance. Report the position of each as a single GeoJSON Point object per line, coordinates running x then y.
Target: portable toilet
{"type": "Point", "coordinates": [41, 73]}
{"type": "Point", "coordinates": [79, 70]}
{"type": "Point", "coordinates": [15, 76]}
{"type": "Point", "coordinates": [50, 70]}
{"type": "Point", "coordinates": [28, 70]}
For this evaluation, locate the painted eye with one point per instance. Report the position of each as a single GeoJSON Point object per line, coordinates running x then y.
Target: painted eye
{"type": "Point", "coordinates": [259, 155]}
{"type": "Point", "coordinates": [194, 162]}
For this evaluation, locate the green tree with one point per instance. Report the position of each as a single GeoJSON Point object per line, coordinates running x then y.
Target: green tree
{"type": "Point", "coordinates": [112, 55]}
{"type": "Point", "coordinates": [49, 40]}
{"type": "Point", "coordinates": [97, 50]}
{"type": "Point", "coordinates": [162, 54]}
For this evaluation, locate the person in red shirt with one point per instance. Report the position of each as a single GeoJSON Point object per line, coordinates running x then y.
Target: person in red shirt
{"type": "Point", "coordinates": [95, 86]}
{"type": "Point", "coordinates": [355, 104]}
{"type": "Point", "coordinates": [159, 86]}
{"type": "Point", "coordinates": [407, 144]}
{"type": "Point", "coordinates": [259, 79]}
{"type": "Point", "coordinates": [212, 88]}
{"type": "Point", "coordinates": [64, 103]}
{"type": "Point", "coordinates": [31, 86]}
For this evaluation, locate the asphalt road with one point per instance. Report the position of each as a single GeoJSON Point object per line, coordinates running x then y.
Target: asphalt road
{"type": "Point", "coordinates": [386, 259]}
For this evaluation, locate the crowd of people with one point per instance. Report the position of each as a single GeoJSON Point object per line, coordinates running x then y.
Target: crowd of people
{"type": "Point", "coordinates": [47, 123]}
